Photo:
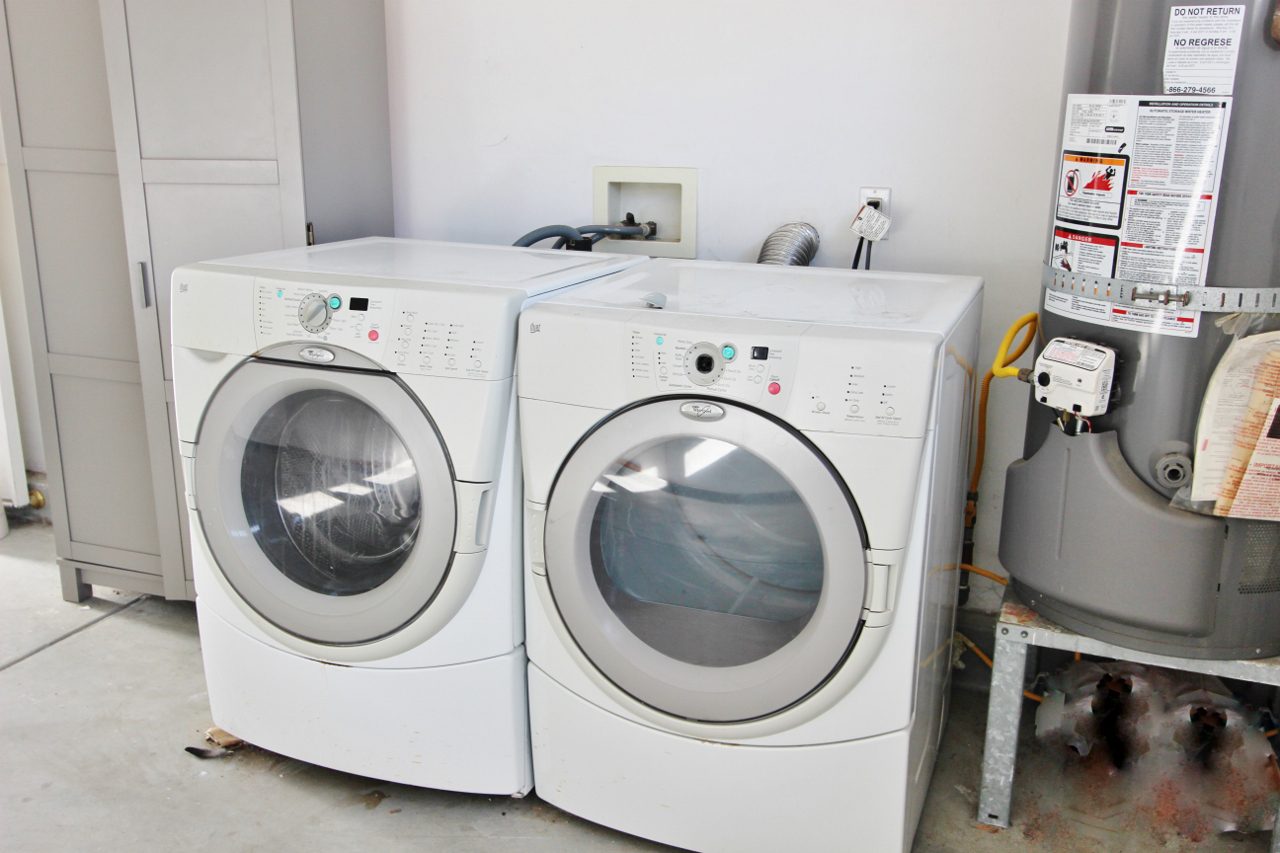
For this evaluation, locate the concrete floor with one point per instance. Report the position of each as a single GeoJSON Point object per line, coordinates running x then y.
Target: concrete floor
{"type": "Point", "coordinates": [98, 701]}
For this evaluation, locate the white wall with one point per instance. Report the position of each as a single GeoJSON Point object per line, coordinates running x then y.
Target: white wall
{"type": "Point", "coordinates": [500, 109]}
{"type": "Point", "coordinates": [15, 330]}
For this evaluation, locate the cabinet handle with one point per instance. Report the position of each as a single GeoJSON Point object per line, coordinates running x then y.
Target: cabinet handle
{"type": "Point", "coordinates": [144, 293]}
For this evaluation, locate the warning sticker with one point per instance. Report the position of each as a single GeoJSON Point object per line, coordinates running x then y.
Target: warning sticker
{"type": "Point", "coordinates": [1091, 189]}
{"type": "Point", "coordinates": [1201, 50]}
{"type": "Point", "coordinates": [1158, 320]}
{"type": "Point", "coordinates": [1083, 252]}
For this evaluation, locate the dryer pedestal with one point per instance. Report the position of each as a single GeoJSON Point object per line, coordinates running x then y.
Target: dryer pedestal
{"type": "Point", "coordinates": [459, 727]}
{"type": "Point", "coordinates": [717, 796]}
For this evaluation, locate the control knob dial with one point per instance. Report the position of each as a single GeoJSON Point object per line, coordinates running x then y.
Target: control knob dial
{"type": "Point", "coordinates": [314, 313]}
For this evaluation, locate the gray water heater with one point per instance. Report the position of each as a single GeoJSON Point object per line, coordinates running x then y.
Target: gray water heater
{"type": "Point", "coordinates": [1089, 533]}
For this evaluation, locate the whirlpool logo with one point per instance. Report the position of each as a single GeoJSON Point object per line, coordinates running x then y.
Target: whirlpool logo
{"type": "Point", "coordinates": [702, 411]}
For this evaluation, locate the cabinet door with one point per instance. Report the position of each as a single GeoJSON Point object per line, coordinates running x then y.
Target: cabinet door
{"type": "Point", "coordinates": [83, 305]}
{"type": "Point", "coordinates": [204, 104]}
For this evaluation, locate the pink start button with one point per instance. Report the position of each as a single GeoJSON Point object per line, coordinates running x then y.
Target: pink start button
{"type": "Point", "coordinates": [775, 389]}
{"type": "Point", "coordinates": [373, 334]}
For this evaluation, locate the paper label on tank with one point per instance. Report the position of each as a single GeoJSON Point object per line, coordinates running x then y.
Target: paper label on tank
{"type": "Point", "coordinates": [1201, 49]}
{"type": "Point", "coordinates": [1258, 492]}
{"type": "Point", "coordinates": [1138, 187]}
{"type": "Point", "coordinates": [1074, 353]}
{"type": "Point", "coordinates": [1158, 321]}
{"type": "Point", "coordinates": [1244, 382]}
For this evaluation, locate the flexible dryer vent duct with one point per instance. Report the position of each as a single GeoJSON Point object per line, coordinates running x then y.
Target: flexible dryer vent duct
{"type": "Point", "coordinates": [794, 244]}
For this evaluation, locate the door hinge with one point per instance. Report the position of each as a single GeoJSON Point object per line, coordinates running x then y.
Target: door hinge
{"type": "Point", "coordinates": [311, 233]}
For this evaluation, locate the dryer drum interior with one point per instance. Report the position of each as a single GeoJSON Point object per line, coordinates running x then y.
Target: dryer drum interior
{"type": "Point", "coordinates": [711, 570]}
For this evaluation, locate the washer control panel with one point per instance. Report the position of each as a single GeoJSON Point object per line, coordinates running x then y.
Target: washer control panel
{"type": "Point", "coordinates": [407, 331]}
{"type": "Point", "coordinates": [290, 311]}
{"type": "Point", "coordinates": [434, 344]}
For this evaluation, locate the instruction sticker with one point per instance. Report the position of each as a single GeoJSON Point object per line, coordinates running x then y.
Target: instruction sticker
{"type": "Point", "coordinates": [1202, 49]}
{"type": "Point", "coordinates": [1159, 320]}
{"type": "Point", "coordinates": [1137, 197]}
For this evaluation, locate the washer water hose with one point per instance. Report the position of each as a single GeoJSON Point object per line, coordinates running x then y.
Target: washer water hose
{"type": "Point", "coordinates": [794, 244]}
{"type": "Point", "coordinates": [546, 232]}
{"type": "Point", "coordinates": [596, 233]}
{"type": "Point", "coordinates": [584, 237]}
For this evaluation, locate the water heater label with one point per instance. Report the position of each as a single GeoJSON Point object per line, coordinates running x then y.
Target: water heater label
{"type": "Point", "coordinates": [1201, 50]}
{"type": "Point", "coordinates": [1138, 195]}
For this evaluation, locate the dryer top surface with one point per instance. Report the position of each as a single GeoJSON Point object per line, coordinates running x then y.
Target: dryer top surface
{"type": "Point", "coordinates": [914, 301]}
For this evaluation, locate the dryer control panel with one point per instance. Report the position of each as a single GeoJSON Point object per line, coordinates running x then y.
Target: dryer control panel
{"type": "Point", "coordinates": [428, 333]}
{"type": "Point", "coordinates": [832, 379]}
{"type": "Point", "coordinates": [672, 361]}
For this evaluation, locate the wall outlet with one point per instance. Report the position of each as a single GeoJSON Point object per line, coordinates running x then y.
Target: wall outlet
{"type": "Point", "coordinates": [881, 193]}
{"type": "Point", "coordinates": [665, 195]}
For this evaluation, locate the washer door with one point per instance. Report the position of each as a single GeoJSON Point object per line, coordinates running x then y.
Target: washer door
{"type": "Point", "coordinates": [327, 499]}
{"type": "Point", "coordinates": [706, 558]}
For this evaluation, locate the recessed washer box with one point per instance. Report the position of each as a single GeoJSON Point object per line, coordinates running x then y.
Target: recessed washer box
{"type": "Point", "coordinates": [666, 195]}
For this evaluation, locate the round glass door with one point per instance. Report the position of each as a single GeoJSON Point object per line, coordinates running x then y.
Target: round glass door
{"type": "Point", "coordinates": [712, 569]}
{"type": "Point", "coordinates": [326, 498]}
{"type": "Point", "coordinates": [333, 491]}
{"type": "Point", "coordinates": [704, 551]}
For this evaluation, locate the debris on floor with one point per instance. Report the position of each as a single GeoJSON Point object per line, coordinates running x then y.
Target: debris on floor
{"type": "Point", "coordinates": [1175, 749]}
{"type": "Point", "coordinates": [222, 738]}
{"type": "Point", "coordinates": [223, 743]}
{"type": "Point", "coordinates": [207, 752]}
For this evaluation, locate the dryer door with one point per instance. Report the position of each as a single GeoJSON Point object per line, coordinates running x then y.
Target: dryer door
{"type": "Point", "coordinates": [326, 497]}
{"type": "Point", "coordinates": [706, 558]}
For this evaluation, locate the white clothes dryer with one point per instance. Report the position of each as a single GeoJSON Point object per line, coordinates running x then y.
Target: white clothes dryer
{"type": "Point", "coordinates": [348, 443]}
{"type": "Point", "coordinates": [744, 487]}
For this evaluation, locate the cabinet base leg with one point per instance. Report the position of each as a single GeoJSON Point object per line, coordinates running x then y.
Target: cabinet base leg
{"type": "Point", "coordinates": [74, 590]}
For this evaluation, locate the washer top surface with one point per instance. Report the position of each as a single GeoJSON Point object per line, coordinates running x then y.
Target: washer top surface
{"type": "Point", "coordinates": [819, 295]}
{"type": "Point", "coordinates": [533, 271]}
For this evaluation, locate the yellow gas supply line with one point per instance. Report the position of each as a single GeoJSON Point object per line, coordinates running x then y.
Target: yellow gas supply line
{"type": "Point", "coordinates": [1029, 324]}
{"type": "Point", "coordinates": [1002, 366]}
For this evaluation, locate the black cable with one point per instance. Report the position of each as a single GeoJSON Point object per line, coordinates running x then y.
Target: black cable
{"type": "Point", "coordinates": [874, 204]}
{"type": "Point", "coordinates": [857, 254]}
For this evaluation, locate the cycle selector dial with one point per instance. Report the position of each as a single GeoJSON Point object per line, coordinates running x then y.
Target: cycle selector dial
{"type": "Point", "coordinates": [704, 363]}
{"type": "Point", "coordinates": [314, 313]}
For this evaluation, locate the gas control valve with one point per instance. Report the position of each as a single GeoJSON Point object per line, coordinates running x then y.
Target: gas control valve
{"type": "Point", "coordinates": [1075, 376]}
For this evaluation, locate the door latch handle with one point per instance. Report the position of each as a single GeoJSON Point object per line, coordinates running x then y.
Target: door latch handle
{"type": "Point", "coordinates": [144, 292]}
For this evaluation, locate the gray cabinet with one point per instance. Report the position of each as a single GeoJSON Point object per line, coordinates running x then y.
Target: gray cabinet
{"type": "Point", "coordinates": [146, 134]}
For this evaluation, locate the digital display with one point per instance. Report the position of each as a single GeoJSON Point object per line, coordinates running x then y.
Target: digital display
{"type": "Point", "coordinates": [358, 303]}
{"type": "Point", "coordinates": [759, 353]}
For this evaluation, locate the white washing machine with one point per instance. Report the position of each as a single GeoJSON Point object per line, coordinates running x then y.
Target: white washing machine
{"type": "Point", "coordinates": [744, 487]}
{"type": "Point", "coordinates": [348, 442]}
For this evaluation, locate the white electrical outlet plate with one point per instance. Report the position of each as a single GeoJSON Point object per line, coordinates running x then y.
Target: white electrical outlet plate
{"type": "Point", "coordinates": [665, 195]}
{"type": "Point", "coordinates": [882, 193]}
